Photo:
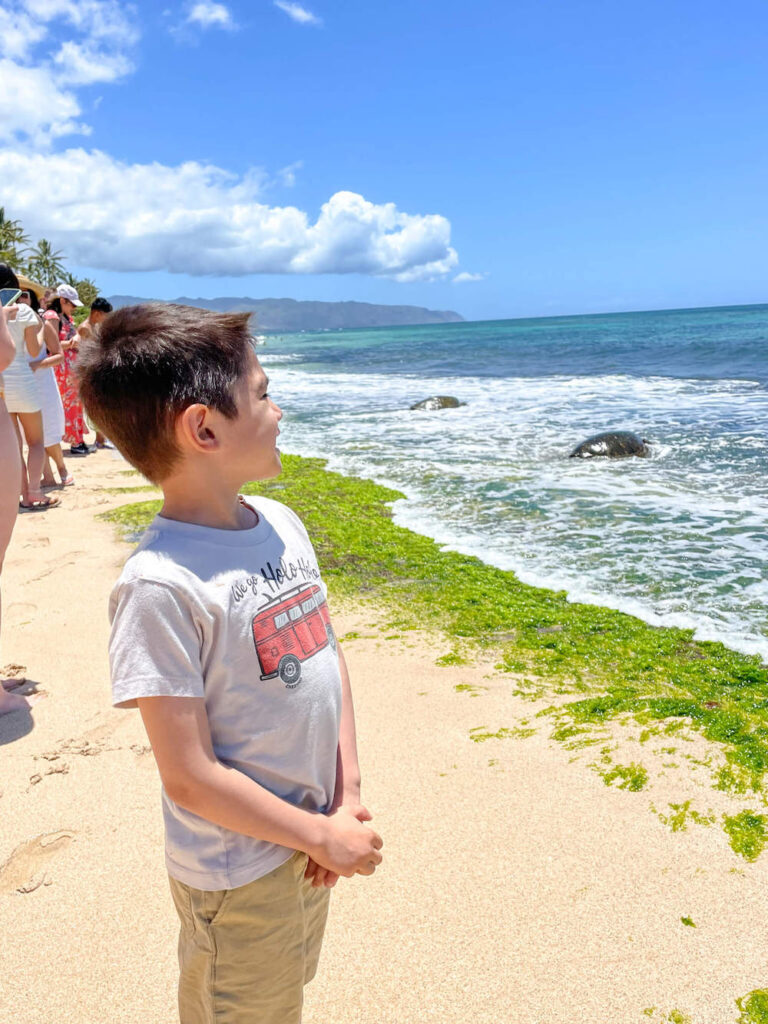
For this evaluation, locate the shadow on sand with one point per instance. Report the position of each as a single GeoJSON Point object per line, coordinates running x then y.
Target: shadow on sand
{"type": "Point", "coordinates": [16, 724]}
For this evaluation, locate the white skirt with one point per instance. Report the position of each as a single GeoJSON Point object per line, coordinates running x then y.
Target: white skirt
{"type": "Point", "coordinates": [51, 406]}
{"type": "Point", "coordinates": [21, 392]}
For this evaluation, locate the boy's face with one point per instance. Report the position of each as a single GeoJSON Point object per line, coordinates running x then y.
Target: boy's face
{"type": "Point", "coordinates": [252, 436]}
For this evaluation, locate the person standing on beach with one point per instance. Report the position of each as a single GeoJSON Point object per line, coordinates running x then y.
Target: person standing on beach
{"type": "Point", "coordinates": [221, 637]}
{"type": "Point", "coordinates": [62, 307]}
{"type": "Point", "coordinates": [51, 407]}
{"type": "Point", "coordinates": [99, 309]}
{"type": "Point", "coordinates": [10, 473]}
{"type": "Point", "coordinates": [22, 400]}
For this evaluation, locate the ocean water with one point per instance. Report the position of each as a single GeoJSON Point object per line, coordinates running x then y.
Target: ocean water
{"type": "Point", "coordinates": [677, 539]}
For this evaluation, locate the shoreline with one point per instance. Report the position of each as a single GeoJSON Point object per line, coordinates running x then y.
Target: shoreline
{"type": "Point", "coordinates": [514, 872]}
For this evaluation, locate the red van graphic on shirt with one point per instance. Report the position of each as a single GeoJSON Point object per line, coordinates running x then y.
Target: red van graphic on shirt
{"type": "Point", "coordinates": [290, 630]}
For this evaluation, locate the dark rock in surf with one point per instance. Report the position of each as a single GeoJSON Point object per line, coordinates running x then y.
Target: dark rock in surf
{"type": "Point", "coordinates": [614, 444]}
{"type": "Point", "coordinates": [438, 402]}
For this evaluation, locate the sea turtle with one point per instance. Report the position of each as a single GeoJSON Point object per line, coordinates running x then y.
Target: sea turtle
{"type": "Point", "coordinates": [438, 402]}
{"type": "Point", "coordinates": [613, 444]}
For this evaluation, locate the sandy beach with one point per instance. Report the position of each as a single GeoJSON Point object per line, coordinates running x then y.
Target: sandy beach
{"type": "Point", "coordinates": [516, 887]}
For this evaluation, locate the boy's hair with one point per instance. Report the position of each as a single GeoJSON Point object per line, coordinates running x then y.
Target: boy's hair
{"type": "Point", "coordinates": [101, 306]}
{"type": "Point", "coordinates": [146, 364]}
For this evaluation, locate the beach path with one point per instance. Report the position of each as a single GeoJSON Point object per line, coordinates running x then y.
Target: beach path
{"type": "Point", "coordinates": [516, 888]}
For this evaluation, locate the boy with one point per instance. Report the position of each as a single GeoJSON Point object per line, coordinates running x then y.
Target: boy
{"type": "Point", "coordinates": [221, 637]}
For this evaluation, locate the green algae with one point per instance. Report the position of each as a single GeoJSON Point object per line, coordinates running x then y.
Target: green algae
{"type": "Point", "coordinates": [688, 922]}
{"type": "Point", "coordinates": [471, 689]}
{"type": "Point", "coordinates": [682, 814]}
{"type": "Point", "coordinates": [452, 658]}
{"type": "Point", "coordinates": [753, 1008]}
{"type": "Point", "coordinates": [632, 777]}
{"type": "Point", "coordinates": [480, 734]}
{"type": "Point", "coordinates": [747, 833]}
{"type": "Point", "coordinates": [733, 779]}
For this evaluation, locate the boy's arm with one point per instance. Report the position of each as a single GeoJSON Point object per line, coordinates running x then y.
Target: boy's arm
{"type": "Point", "coordinates": [347, 792]}
{"type": "Point", "coordinates": [347, 766]}
{"type": "Point", "coordinates": [195, 779]}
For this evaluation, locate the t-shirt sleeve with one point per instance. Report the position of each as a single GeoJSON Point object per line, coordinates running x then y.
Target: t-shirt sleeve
{"type": "Point", "coordinates": [27, 316]}
{"type": "Point", "coordinates": [155, 644]}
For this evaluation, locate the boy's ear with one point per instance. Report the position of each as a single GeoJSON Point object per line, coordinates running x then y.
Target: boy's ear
{"type": "Point", "coordinates": [195, 430]}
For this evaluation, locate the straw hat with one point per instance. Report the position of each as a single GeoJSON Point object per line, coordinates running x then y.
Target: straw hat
{"type": "Point", "coordinates": [26, 285]}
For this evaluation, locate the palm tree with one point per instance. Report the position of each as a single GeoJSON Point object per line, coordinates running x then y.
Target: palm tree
{"type": "Point", "coordinates": [13, 241]}
{"type": "Point", "coordinates": [45, 265]}
{"type": "Point", "coordinates": [87, 290]}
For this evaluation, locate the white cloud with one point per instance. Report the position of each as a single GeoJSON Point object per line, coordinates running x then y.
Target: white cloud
{"type": "Point", "coordinates": [191, 218]}
{"type": "Point", "coordinates": [465, 277]}
{"type": "Point", "coordinates": [210, 15]}
{"type": "Point", "coordinates": [298, 13]}
{"type": "Point", "coordinates": [286, 176]}
{"type": "Point", "coordinates": [84, 64]}
{"type": "Point", "coordinates": [35, 104]}
{"type": "Point", "coordinates": [199, 219]}
{"type": "Point", "coordinates": [47, 49]}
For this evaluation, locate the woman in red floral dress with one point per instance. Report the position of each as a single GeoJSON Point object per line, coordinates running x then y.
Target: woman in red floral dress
{"type": "Point", "coordinates": [74, 421]}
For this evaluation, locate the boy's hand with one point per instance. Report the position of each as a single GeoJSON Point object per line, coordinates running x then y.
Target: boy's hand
{"type": "Point", "coordinates": [322, 877]}
{"type": "Point", "coordinates": [347, 846]}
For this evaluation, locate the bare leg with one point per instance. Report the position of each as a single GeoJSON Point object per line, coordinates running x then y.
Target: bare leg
{"type": "Point", "coordinates": [32, 424]}
{"type": "Point", "coordinates": [23, 466]}
{"type": "Point", "coordinates": [10, 471]}
{"type": "Point", "coordinates": [48, 478]}
{"type": "Point", "coordinates": [54, 452]}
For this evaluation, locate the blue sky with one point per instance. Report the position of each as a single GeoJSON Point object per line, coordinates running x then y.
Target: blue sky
{"type": "Point", "coordinates": [500, 159]}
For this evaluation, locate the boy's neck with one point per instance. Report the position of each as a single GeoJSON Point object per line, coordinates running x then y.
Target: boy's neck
{"type": "Point", "coordinates": [219, 507]}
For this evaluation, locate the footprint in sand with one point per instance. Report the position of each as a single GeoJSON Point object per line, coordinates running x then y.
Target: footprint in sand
{"type": "Point", "coordinates": [144, 755]}
{"type": "Point", "coordinates": [19, 612]}
{"type": "Point", "coordinates": [38, 542]}
{"type": "Point", "coordinates": [13, 675]}
{"type": "Point", "coordinates": [94, 741]}
{"type": "Point", "coordinates": [49, 572]}
{"type": "Point", "coordinates": [25, 869]}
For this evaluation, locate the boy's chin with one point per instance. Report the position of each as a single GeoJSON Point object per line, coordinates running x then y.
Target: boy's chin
{"type": "Point", "coordinates": [268, 472]}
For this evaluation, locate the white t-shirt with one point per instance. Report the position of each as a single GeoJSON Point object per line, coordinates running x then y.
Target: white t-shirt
{"type": "Point", "coordinates": [19, 378]}
{"type": "Point", "coordinates": [240, 618]}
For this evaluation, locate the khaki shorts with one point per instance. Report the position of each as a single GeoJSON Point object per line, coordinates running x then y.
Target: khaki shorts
{"type": "Point", "coordinates": [245, 954]}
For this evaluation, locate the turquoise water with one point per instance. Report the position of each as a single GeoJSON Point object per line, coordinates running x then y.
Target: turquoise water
{"type": "Point", "coordinates": [678, 538]}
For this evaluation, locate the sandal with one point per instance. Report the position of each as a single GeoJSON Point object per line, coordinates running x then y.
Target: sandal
{"type": "Point", "coordinates": [68, 480]}
{"type": "Point", "coordinates": [39, 504]}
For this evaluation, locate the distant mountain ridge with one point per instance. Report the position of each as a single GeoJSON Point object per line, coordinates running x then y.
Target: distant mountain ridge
{"type": "Point", "coordinates": [295, 315]}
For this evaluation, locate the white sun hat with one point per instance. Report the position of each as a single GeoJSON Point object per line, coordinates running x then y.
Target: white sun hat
{"type": "Point", "coordinates": [66, 291]}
